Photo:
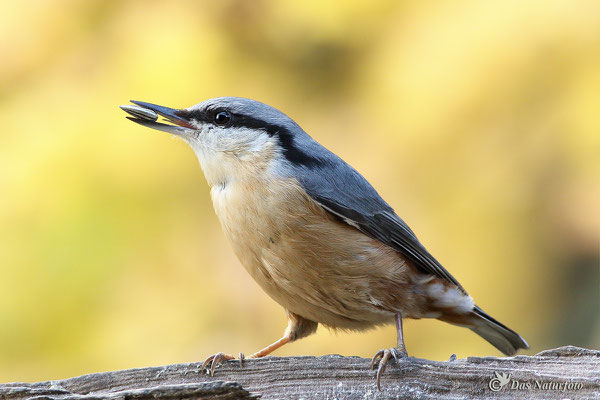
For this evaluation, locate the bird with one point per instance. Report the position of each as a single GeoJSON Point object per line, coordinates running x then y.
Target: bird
{"type": "Point", "coordinates": [313, 232]}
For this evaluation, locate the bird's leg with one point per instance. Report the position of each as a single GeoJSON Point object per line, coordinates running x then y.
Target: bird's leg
{"type": "Point", "coordinates": [218, 358]}
{"type": "Point", "coordinates": [272, 347]}
{"type": "Point", "coordinates": [297, 328]}
{"type": "Point", "coordinates": [398, 352]}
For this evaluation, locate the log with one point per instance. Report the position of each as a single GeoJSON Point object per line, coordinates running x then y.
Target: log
{"type": "Point", "coordinates": [563, 373]}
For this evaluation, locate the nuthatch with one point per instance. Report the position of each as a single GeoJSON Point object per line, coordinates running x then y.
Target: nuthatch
{"type": "Point", "coordinates": [313, 232]}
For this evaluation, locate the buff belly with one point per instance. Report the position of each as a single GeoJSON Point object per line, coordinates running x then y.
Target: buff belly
{"type": "Point", "coordinates": [315, 265]}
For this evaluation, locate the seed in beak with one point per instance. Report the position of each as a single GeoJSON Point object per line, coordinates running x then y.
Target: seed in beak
{"type": "Point", "coordinates": [140, 112]}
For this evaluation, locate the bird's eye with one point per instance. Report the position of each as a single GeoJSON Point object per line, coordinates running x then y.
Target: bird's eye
{"type": "Point", "coordinates": [222, 117]}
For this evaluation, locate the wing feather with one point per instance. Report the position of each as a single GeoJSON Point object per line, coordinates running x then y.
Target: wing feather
{"type": "Point", "coordinates": [343, 192]}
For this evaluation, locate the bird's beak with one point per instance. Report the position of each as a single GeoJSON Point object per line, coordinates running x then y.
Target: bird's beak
{"type": "Point", "coordinates": [146, 114]}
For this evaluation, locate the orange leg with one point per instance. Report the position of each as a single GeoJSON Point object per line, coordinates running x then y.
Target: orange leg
{"type": "Point", "coordinates": [271, 348]}
{"type": "Point", "coordinates": [216, 359]}
{"type": "Point", "coordinates": [297, 328]}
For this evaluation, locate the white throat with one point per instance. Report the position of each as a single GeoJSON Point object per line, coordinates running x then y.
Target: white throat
{"type": "Point", "coordinates": [228, 156]}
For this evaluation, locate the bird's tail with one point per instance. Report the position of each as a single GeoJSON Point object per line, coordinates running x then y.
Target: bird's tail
{"type": "Point", "coordinates": [500, 336]}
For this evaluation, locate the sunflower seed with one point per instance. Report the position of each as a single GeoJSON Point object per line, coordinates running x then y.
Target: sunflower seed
{"type": "Point", "coordinates": [140, 112]}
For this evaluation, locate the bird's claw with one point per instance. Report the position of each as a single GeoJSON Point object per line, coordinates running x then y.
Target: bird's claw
{"type": "Point", "coordinates": [217, 359]}
{"type": "Point", "coordinates": [382, 357]}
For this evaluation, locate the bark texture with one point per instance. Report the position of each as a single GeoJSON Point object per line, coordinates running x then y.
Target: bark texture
{"type": "Point", "coordinates": [564, 373]}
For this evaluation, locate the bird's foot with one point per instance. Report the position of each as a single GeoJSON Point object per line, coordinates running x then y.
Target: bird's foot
{"type": "Point", "coordinates": [382, 357]}
{"type": "Point", "coordinates": [211, 362]}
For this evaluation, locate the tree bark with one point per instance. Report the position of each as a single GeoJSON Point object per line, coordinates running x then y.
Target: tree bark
{"type": "Point", "coordinates": [564, 373]}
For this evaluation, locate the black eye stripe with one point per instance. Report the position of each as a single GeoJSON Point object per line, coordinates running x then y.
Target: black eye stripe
{"type": "Point", "coordinates": [237, 120]}
{"type": "Point", "coordinates": [284, 136]}
{"type": "Point", "coordinates": [245, 121]}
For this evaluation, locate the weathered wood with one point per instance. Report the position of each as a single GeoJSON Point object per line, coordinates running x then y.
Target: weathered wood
{"type": "Point", "coordinates": [563, 373]}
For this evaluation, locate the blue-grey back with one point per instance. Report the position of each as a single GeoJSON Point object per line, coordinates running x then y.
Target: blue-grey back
{"type": "Point", "coordinates": [330, 181]}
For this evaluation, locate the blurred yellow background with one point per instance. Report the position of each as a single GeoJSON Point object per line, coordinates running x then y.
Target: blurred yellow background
{"type": "Point", "coordinates": [479, 122]}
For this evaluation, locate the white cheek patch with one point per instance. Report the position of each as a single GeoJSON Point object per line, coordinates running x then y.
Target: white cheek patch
{"type": "Point", "coordinates": [451, 298]}
{"type": "Point", "coordinates": [255, 142]}
{"type": "Point", "coordinates": [228, 155]}
{"type": "Point", "coordinates": [243, 143]}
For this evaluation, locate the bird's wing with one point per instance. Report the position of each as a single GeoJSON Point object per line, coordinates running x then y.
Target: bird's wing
{"type": "Point", "coordinates": [342, 191]}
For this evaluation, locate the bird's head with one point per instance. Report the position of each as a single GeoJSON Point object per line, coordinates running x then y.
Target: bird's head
{"type": "Point", "coordinates": [232, 136]}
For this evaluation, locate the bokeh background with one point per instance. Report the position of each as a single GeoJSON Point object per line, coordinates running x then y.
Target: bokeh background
{"type": "Point", "coordinates": [479, 122]}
